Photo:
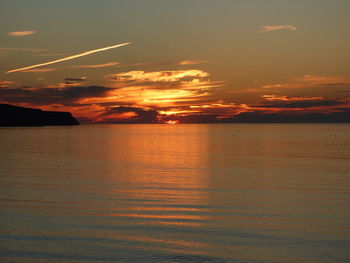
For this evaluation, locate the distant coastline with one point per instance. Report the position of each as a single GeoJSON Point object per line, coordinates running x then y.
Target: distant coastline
{"type": "Point", "coordinates": [14, 116]}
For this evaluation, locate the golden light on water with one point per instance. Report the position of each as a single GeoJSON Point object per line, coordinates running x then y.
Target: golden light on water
{"type": "Point", "coordinates": [169, 185]}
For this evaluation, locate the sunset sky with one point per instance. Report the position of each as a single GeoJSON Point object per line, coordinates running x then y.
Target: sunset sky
{"type": "Point", "coordinates": [178, 61]}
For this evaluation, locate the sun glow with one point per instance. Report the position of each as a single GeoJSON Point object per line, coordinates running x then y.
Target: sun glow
{"type": "Point", "coordinates": [172, 122]}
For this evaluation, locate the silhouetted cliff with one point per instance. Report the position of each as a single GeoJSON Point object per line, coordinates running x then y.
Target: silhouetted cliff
{"type": "Point", "coordinates": [18, 116]}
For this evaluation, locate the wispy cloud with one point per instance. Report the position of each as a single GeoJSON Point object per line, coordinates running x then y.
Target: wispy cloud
{"type": "Point", "coordinates": [22, 49]}
{"type": "Point", "coordinates": [278, 27]}
{"type": "Point", "coordinates": [296, 103]}
{"type": "Point", "coordinates": [130, 115]}
{"type": "Point", "coordinates": [68, 58]}
{"type": "Point", "coordinates": [72, 82]}
{"type": "Point", "coordinates": [21, 33]}
{"type": "Point", "coordinates": [309, 81]}
{"type": "Point", "coordinates": [274, 86]}
{"type": "Point", "coordinates": [67, 84]}
{"type": "Point", "coordinates": [51, 95]}
{"type": "Point", "coordinates": [193, 62]}
{"type": "Point", "coordinates": [109, 64]}
{"type": "Point", "coordinates": [335, 84]}
{"type": "Point", "coordinates": [50, 55]}
{"type": "Point", "coordinates": [287, 98]}
{"type": "Point", "coordinates": [81, 79]}
{"type": "Point", "coordinates": [41, 70]}
{"type": "Point", "coordinates": [6, 83]}
{"type": "Point", "coordinates": [159, 76]}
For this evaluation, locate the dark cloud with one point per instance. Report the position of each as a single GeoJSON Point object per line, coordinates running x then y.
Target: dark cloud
{"type": "Point", "coordinates": [335, 84]}
{"type": "Point", "coordinates": [195, 118]}
{"type": "Point", "coordinates": [113, 104]}
{"type": "Point", "coordinates": [273, 109]}
{"type": "Point", "coordinates": [83, 92]}
{"type": "Point", "coordinates": [142, 115]}
{"type": "Point", "coordinates": [343, 109]}
{"type": "Point", "coordinates": [44, 96]}
{"type": "Point", "coordinates": [262, 117]}
{"type": "Point", "coordinates": [75, 79]}
{"type": "Point", "coordinates": [300, 117]}
{"type": "Point", "coordinates": [300, 104]}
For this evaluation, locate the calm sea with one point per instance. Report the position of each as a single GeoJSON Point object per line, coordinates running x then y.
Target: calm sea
{"type": "Point", "coordinates": [175, 193]}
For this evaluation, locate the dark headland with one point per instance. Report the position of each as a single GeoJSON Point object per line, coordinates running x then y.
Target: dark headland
{"type": "Point", "coordinates": [11, 116]}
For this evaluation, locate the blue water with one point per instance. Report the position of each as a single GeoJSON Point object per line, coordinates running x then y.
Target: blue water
{"type": "Point", "coordinates": [175, 193]}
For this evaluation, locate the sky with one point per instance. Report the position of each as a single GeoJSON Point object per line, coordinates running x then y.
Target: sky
{"type": "Point", "coordinates": [162, 61]}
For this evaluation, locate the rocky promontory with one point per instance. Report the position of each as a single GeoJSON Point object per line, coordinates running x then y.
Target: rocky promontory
{"type": "Point", "coordinates": [19, 116]}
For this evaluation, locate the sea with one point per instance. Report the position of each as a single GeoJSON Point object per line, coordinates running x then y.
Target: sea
{"type": "Point", "coordinates": [244, 193]}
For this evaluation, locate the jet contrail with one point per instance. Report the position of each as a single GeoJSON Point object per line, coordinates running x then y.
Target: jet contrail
{"type": "Point", "coordinates": [69, 58]}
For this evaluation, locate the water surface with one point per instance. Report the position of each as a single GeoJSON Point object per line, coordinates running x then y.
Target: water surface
{"type": "Point", "coordinates": [175, 193]}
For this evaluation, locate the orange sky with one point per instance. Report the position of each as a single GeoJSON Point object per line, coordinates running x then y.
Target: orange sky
{"type": "Point", "coordinates": [200, 62]}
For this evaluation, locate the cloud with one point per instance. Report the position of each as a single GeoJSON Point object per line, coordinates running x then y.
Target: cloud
{"type": "Point", "coordinates": [143, 114]}
{"type": "Point", "coordinates": [41, 70]}
{"type": "Point", "coordinates": [148, 96]}
{"type": "Point", "coordinates": [109, 64]}
{"type": "Point", "coordinates": [295, 110]}
{"type": "Point", "coordinates": [290, 117]}
{"type": "Point", "coordinates": [161, 88]}
{"type": "Point", "coordinates": [52, 95]}
{"type": "Point", "coordinates": [335, 84]}
{"type": "Point", "coordinates": [135, 104]}
{"type": "Point", "coordinates": [159, 76]}
{"type": "Point", "coordinates": [189, 62]}
{"type": "Point", "coordinates": [22, 49]}
{"type": "Point", "coordinates": [75, 93]}
{"type": "Point", "coordinates": [287, 98]}
{"type": "Point", "coordinates": [309, 81]}
{"type": "Point", "coordinates": [274, 86]}
{"type": "Point", "coordinates": [50, 55]}
{"type": "Point", "coordinates": [130, 115]}
{"type": "Point", "coordinates": [302, 104]}
{"type": "Point", "coordinates": [317, 81]}
{"type": "Point", "coordinates": [6, 83]}
{"type": "Point", "coordinates": [164, 90]}
{"type": "Point", "coordinates": [278, 27]}
{"type": "Point", "coordinates": [81, 79]}
{"type": "Point", "coordinates": [218, 109]}
{"type": "Point", "coordinates": [68, 58]}
{"type": "Point", "coordinates": [72, 82]}
{"type": "Point", "coordinates": [192, 62]}
{"type": "Point", "coordinates": [277, 103]}
{"type": "Point", "coordinates": [21, 33]}
{"type": "Point", "coordinates": [320, 80]}
{"type": "Point", "coordinates": [67, 84]}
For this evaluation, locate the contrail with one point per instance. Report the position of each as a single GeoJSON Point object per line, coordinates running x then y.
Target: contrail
{"type": "Point", "coordinates": [69, 58]}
